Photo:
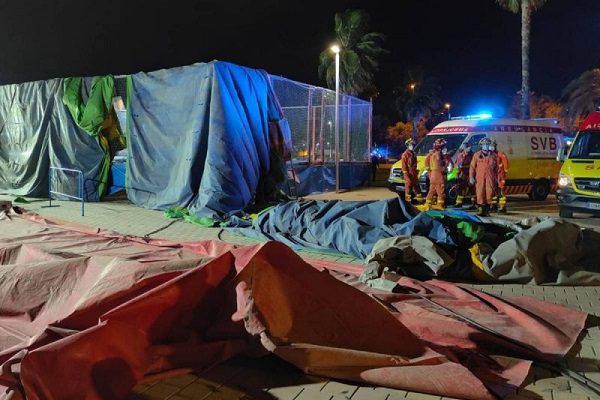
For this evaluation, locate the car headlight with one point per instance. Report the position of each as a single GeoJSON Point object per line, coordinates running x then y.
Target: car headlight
{"type": "Point", "coordinates": [564, 180]}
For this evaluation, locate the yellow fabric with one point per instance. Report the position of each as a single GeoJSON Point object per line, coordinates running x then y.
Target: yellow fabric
{"type": "Point", "coordinates": [112, 130]}
{"type": "Point", "coordinates": [477, 266]}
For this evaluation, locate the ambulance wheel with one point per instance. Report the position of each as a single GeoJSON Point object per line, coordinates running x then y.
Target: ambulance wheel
{"type": "Point", "coordinates": [565, 213]}
{"type": "Point", "coordinates": [540, 190]}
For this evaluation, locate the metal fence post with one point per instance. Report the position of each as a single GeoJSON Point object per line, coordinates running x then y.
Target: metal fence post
{"type": "Point", "coordinates": [370, 129]}
{"type": "Point", "coordinates": [50, 187]}
{"type": "Point", "coordinates": [322, 149]}
{"type": "Point", "coordinates": [81, 192]}
{"type": "Point", "coordinates": [349, 131]}
{"type": "Point", "coordinates": [308, 112]}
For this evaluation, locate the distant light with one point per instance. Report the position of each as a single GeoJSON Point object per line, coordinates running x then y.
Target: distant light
{"type": "Point", "coordinates": [569, 142]}
{"type": "Point", "coordinates": [335, 48]}
{"type": "Point", "coordinates": [447, 105]}
{"type": "Point", "coordinates": [412, 86]}
{"type": "Point", "coordinates": [485, 115]}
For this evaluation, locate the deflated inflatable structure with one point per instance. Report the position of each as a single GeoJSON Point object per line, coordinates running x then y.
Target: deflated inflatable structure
{"type": "Point", "coordinates": [90, 313]}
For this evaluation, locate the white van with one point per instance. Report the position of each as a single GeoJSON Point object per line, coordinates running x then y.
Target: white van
{"type": "Point", "coordinates": [532, 147]}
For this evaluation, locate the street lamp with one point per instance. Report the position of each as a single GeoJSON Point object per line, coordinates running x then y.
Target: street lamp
{"type": "Point", "coordinates": [447, 105]}
{"type": "Point", "coordinates": [336, 49]}
{"type": "Point", "coordinates": [412, 86]}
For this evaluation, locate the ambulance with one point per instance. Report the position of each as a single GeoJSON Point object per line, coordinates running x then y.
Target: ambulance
{"type": "Point", "coordinates": [579, 181]}
{"type": "Point", "coordinates": [532, 147]}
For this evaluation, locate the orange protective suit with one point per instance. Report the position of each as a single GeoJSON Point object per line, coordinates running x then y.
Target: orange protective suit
{"type": "Point", "coordinates": [484, 170]}
{"type": "Point", "coordinates": [463, 161]}
{"type": "Point", "coordinates": [435, 164]}
{"type": "Point", "coordinates": [502, 160]}
{"type": "Point", "coordinates": [410, 174]}
{"type": "Point", "coordinates": [502, 170]}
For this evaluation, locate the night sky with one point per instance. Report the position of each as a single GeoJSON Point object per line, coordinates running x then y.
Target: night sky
{"type": "Point", "coordinates": [471, 46]}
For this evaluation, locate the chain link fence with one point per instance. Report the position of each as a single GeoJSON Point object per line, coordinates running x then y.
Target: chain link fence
{"type": "Point", "coordinates": [310, 111]}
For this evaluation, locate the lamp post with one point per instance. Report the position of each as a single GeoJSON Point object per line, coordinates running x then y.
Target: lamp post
{"type": "Point", "coordinates": [447, 105]}
{"type": "Point", "coordinates": [336, 49]}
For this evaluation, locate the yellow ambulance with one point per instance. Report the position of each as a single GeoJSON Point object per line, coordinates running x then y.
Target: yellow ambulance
{"type": "Point", "coordinates": [579, 181]}
{"type": "Point", "coordinates": [532, 147]}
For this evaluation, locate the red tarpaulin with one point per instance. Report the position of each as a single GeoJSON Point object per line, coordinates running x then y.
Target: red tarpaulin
{"type": "Point", "coordinates": [89, 314]}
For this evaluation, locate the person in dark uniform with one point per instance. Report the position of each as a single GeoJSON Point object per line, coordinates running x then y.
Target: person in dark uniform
{"type": "Point", "coordinates": [374, 165]}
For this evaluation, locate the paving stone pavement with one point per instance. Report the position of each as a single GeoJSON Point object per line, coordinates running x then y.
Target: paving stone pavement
{"type": "Point", "coordinates": [269, 378]}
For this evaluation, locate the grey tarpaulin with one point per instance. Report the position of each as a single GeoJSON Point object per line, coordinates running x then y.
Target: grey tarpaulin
{"type": "Point", "coordinates": [414, 256]}
{"type": "Point", "coordinates": [199, 137]}
{"type": "Point", "coordinates": [36, 132]}
{"type": "Point", "coordinates": [553, 251]}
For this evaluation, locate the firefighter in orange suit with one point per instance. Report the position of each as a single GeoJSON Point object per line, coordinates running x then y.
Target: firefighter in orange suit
{"type": "Point", "coordinates": [436, 164]}
{"type": "Point", "coordinates": [503, 165]}
{"type": "Point", "coordinates": [484, 174]}
{"type": "Point", "coordinates": [463, 162]}
{"type": "Point", "coordinates": [410, 173]}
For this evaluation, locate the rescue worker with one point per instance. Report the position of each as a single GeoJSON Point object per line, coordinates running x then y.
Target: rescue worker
{"type": "Point", "coordinates": [502, 161]}
{"type": "Point", "coordinates": [463, 162]}
{"type": "Point", "coordinates": [436, 164]}
{"type": "Point", "coordinates": [410, 174]}
{"type": "Point", "coordinates": [483, 172]}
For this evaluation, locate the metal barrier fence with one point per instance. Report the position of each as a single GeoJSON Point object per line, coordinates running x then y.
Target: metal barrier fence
{"type": "Point", "coordinates": [310, 111]}
{"type": "Point", "coordinates": [54, 182]}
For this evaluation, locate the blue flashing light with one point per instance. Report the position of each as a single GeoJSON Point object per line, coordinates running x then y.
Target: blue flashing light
{"type": "Point", "coordinates": [476, 116]}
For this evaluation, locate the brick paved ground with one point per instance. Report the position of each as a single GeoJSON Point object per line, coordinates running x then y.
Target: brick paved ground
{"type": "Point", "coordinates": [271, 379]}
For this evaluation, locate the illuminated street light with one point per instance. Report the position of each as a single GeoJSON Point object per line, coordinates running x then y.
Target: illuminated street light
{"type": "Point", "coordinates": [336, 49]}
{"type": "Point", "coordinates": [447, 105]}
{"type": "Point", "coordinates": [412, 86]}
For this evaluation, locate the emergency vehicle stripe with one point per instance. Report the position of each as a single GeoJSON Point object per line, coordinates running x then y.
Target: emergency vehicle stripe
{"type": "Point", "coordinates": [524, 189]}
{"type": "Point", "coordinates": [497, 128]}
{"type": "Point", "coordinates": [517, 189]}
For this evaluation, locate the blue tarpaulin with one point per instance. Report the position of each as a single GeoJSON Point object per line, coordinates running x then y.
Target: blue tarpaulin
{"type": "Point", "coordinates": [321, 178]}
{"type": "Point", "coordinates": [117, 177]}
{"type": "Point", "coordinates": [199, 137]}
{"type": "Point", "coordinates": [350, 227]}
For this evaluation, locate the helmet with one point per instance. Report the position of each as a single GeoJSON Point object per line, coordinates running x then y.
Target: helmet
{"type": "Point", "coordinates": [438, 144]}
{"type": "Point", "coordinates": [485, 141]}
{"type": "Point", "coordinates": [408, 142]}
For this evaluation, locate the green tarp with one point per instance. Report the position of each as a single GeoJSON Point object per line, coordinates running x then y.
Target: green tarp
{"type": "Point", "coordinates": [91, 114]}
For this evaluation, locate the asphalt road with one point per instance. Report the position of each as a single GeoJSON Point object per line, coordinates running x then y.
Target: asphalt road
{"type": "Point", "coordinates": [521, 207]}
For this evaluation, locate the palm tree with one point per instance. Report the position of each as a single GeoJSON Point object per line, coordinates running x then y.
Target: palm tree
{"type": "Point", "coordinates": [417, 98]}
{"type": "Point", "coordinates": [360, 51]}
{"type": "Point", "coordinates": [526, 7]}
{"type": "Point", "coordinates": [582, 95]}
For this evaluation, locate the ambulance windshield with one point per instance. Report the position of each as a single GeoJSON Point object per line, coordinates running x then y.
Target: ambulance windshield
{"type": "Point", "coordinates": [587, 146]}
{"type": "Point", "coordinates": [453, 142]}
